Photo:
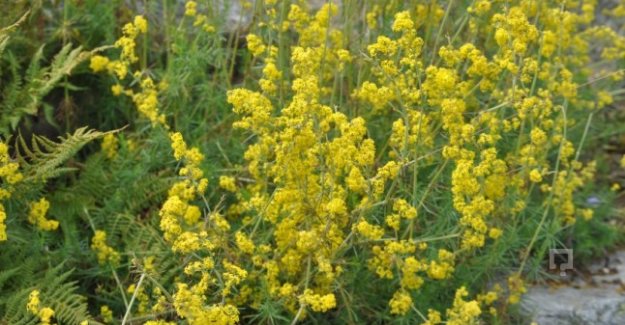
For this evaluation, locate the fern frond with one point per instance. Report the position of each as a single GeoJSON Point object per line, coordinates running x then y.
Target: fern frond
{"type": "Point", "coordinates": [8, 274]}
{"type": "Point", "coordinates": [4, 40]}
{"type": "Point", "coordinates": [5, 31]}
{"type": "Point", "coordinates": [45, 157]}
{"type": "Point", "coordinates": [57, 293]}
{"type": "Point", "coordinates": [10, 28]}
{"type": "Point", "coordinates": [24, 95]}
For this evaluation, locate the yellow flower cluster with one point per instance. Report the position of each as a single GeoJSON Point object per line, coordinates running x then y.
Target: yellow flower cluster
{"type": "Point", "coordinates": [110, 145]}
{"type": "Point", "coordinates": [305, 151]}
{"type": "Point", "coordinates": [400, 303]}
{"type": "Point", "coordinates": [37, 215]}
{"type": "Point", "coordinates": [146, 100]}
{"type": "Point", "coordinates": [190, 10]}
{"type": "Point", "coordinates": [9, 176]}
{"type": "Point", "coordinates": [516, 288]}
{"type": "Point", "coordinates": [480, 126]}
{"type": "Point", "coordinates": [228, 183]}
{"type": "Point", "coordinates": [320, 303]}
{"type": "Point", "coordinates": [45, 314]}
{"type": "Point", "coordinates": [127, 42]}
{"type": "Point", "coordinates": [190, 235]}
{"type": "Point", "coordinates": [106, 253]}
{"type": "Point", "coordinates": [463, 312]}
{"type": "Point", "coordinates": [106, 313]}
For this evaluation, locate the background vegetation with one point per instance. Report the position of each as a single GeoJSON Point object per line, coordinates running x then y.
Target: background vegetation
{"type": "Point", "coordinates": [384, 164]}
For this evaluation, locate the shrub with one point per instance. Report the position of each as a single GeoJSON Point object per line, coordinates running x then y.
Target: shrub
{"type": "Point", "coordinates": [409, 163]}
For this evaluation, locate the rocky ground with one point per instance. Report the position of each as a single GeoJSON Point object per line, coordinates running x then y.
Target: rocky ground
{"type": "Point", "coordinates": [595, 296]}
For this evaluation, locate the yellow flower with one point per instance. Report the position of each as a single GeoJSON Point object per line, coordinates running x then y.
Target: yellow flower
{"type": "Point", "coordinates": [587, 214]}
{"type": "Point", "coordinates": [106, 313]}
{"type": "Point", "coordinates": [190, 8]}
{"type": "Point", "coordinates": [481, 7]}
{"type": "Point", "coordinates": [98, 63]}
{"type": "Point", "coordinates": [463, 312]}
{"type": "Point", "coordinates": [317, 302]}
{"type": "Point", "coordinates": [443, 268]}
{"type": "Point", "coordinates": [434, 317]}
{"type": "Point", "coordinates": [178, 144]}
{"type": "Point", "coordinates": [255, 44]}
{"type": "Point", "coordinates": [228, 183]}
{"type": "Point", "coordinates": [117, 89]}
{"type": "Point", "coordinates": [33, 302]}
{"type": "Point", "coordinates": [106, 254]}
{"type": "Point", "coordinates": [538, 137]}
{"type": "Point", "coordinates": [369, 231]}
{"type": "Point", "coordinates": [141, 24]}
{"type": "Point", "coordinates": [3, 227]}
{"type": "Point", "coordinates": [400, 303]}
{"type": "Point", "coordinates": [615, 187]}
{"type": "Point", "coordinates": [378, 97]}
{"type": "Point", "coordinates": [46, 314]}
{"type": "Point", "coordinates": [516, 288]}
{"type": "Point", "coordinates": [109, 145]}
{"type": "Point", "coordinates": [383, 46]}
{"type": "Point", "coordinates": [118, 68]}
{"type": "Point", "coordinates": [244, 243]}
{"type": "Point", "coordinates": [494, 233]}
{"type": "Point", "coordinates": [501, 36]}
{"type": "Point", "coordinates": [402, 22]}
{"type": "Point", "coordinates": [37, 215]}
{"type": "Point", "coordinates": [535, 176]}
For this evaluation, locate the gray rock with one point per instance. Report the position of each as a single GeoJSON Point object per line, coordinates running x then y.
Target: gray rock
{"type": "Point", "coordinates": [598, 301]}
{"type": "Point", "coordinates": [573, 306]}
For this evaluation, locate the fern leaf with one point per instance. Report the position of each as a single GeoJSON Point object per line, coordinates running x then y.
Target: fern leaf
{"type": "Point", "coordinates": [24, 94]}
{"type": "Point", "coordinates": [44, 159]}
{"type": "Point", "coordinates": [57, 293]}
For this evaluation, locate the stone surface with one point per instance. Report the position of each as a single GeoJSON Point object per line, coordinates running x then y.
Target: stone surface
{"type": "Point", "coordinates": [597, 298]}
{"type": "Point", "coordinates": [238, 18]}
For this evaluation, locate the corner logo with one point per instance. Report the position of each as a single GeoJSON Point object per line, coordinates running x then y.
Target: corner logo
{"type": "Point", "coordinates": [561, 259]}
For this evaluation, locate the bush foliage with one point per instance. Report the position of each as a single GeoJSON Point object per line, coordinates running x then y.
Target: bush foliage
{"type": "Point", "coordinates": [282, 162]}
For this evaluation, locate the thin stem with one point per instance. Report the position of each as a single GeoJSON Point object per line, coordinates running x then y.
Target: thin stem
{"type": "Point", "coordinates": [132, 299]}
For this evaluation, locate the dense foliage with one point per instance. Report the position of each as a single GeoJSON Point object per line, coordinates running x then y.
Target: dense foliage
{"type": "Point", "coordinates": [353, 162]}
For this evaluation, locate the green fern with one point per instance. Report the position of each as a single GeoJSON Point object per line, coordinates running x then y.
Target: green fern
{"type": "Point", "coordinates": [4, 32]}
{"type": "Point", "coordinates": [56, 292]}
{"type": "Point", "coordinates": [43, 158]}
{"type": "Point", "coordinates": [23, 94]}
{"type": "Point", "coordinates": [6, 275]}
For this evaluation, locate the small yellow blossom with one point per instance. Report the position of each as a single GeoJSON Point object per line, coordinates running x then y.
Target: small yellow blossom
{"type": "Point", "coordinates": [615, 187]}
{"type": "Point", "coordinates": [190, 8]}
{"type": "Point", "coordinates": [33, 302]}
{"type": "Point", "coordinates": [98, 63]}
{"type": "Point", "coordinates": [44, 314]}
{"type": "Point", "coordinates": [110, 145]}
{"type": "Point", "coordinates": [106, 313]}
{"type": "Point", "coordinates": [516, 288]}
{"type": "Point", "coordinates": [106, 254]}
{"type": "Point", "coordinates": [255, 44]}
{"type": "Point", "coordinates": [141, 24]}
{"type": "Point", "coordinates": [317, 302]}
{"type": "Point", "coordinates": [463, 312]}
{"type": "Point", "coordinates": [494, 233]}
{"type": "Point", "coordinates": [400, 303]}
{"type": "Point", "coordinates": [535, 176]}
{"type": "Point", "coordinates": [228, 183]}
{"type": "Point", "coordinates": [117, 89]}
{"type": "Point", "coordinates": [37, 215]}
{"type": "Point", "coordinates": [587, 214]}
